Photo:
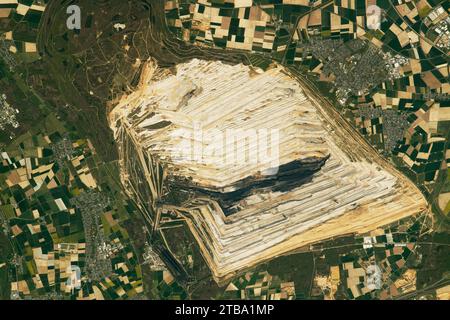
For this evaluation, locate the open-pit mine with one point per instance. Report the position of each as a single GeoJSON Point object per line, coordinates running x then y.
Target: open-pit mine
{"type": "Point", "coordinates": [258, 165]}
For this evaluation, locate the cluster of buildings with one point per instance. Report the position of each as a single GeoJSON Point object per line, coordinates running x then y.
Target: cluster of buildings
{"type": "Point", "coordinates": [438, 22]}
{"type": "Point", "coordinates": [383, 128]}
{"type": "Point", "coordinates": [7, 114]}
{"type": "Point", "coordinates": [56, 242]}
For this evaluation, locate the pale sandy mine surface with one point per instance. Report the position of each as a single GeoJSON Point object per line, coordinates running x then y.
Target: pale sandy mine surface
{"type": "Point", "coordinates": [345, 196]}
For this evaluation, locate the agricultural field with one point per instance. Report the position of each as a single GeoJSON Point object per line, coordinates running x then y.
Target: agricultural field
{"type": "Point", "coordinates": [57, 215]}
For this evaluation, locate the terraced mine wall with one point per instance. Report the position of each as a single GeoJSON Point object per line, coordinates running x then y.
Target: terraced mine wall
{"type": "Point", "coordinates": [346, 189]}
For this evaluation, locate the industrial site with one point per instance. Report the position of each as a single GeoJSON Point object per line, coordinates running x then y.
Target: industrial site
{"type": "Point", "coordinates": [327, 183]}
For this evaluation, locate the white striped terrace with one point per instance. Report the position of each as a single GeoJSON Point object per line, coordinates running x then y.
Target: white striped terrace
{"type": "Point", "coordinates": [345, 189]}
